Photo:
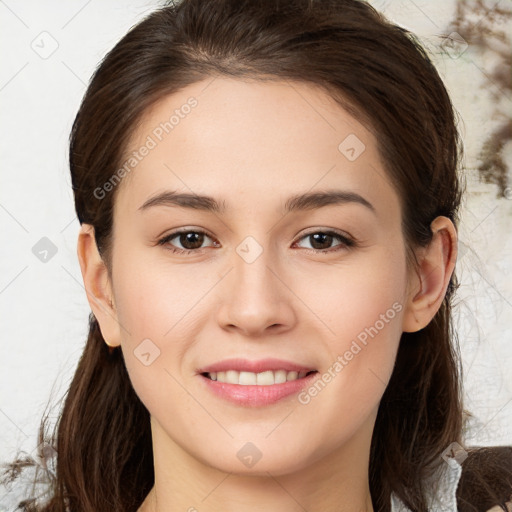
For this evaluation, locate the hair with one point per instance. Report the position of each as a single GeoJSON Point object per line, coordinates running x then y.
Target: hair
{"type": "Point", "coordinates": [380, 74]}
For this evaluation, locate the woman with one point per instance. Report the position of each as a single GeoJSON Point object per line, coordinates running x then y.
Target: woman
{"type": "Point", "coordinates": [268, 195]}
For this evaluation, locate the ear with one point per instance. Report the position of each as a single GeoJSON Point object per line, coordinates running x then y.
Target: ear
{"type": "Point", "coordinates": [428, 282]}
{"type": "Point", "coordinates": [98, 286]}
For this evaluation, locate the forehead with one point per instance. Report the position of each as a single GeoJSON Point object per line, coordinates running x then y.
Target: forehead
{"type": "Point", "coordinates": [236, 139]}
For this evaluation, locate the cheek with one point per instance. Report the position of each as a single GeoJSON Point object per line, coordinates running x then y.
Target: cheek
{"type": "Point", "coordinates": [353, 296]}
{"type": "Point", "coordinates": [152, 308]}
{"type": "Point", "coordinates": [156, 300]}
{"type": "Point", "coordinates": [362, 308]}
{"type": "Point", "coordinates": [161, 309]}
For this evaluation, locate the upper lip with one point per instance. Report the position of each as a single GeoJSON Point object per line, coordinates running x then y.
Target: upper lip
{"type": "Point", "coordinates": [262, 365]}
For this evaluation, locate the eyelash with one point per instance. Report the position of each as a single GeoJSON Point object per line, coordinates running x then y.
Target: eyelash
{"type": "Point", "coordinates": [346, 242]}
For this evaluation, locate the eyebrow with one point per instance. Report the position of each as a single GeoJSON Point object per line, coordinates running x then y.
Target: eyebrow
{"type": "Point", "coordinates": [298, 202]}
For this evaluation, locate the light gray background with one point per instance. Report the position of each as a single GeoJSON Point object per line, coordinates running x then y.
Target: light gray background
{"type": "Point", "coordinates": [43, 304]}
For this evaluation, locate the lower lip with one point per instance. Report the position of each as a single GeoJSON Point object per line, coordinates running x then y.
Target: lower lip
{"type": "Point", "coordinates": [257, 396]}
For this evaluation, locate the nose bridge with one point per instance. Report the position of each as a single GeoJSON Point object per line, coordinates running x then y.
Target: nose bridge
{"type": "Point", "coordinates": [255, 298]}
{"type": "Point", "coordinates": [252, 275]}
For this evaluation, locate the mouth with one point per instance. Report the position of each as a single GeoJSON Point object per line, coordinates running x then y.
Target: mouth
{"type": "Point", "coordinates": [266, 378]}
{"type": "Point", "coordinates": [256, 383]}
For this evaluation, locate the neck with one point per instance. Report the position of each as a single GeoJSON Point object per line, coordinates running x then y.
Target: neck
{"type": "Point", "coordinates": [335, 482]}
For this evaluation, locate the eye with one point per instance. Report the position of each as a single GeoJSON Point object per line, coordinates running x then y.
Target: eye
{"type": "Point", "coordinates": [320, 239]}
{"type": "Point", "coordinates": [191, 240]}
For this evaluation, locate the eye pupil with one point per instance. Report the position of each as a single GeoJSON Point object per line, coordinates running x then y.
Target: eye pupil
{"type": "Point", "coordinates": [322, 241]}
{"type": "Point", "coordinates": [196, 239]}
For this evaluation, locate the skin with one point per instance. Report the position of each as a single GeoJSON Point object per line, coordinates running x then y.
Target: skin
{"type": "Point", "coordinates": [497, 508]}
{"type": "Point", "coordinates": [253, 145]}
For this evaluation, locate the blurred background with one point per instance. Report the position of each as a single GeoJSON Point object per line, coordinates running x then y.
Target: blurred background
{"type": "Point", "coordinates": [50, 50]}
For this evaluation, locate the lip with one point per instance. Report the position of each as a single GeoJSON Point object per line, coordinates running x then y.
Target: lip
{"type": "Point", "coordinates": [263, 365]}
{"type": "Point", "coordinates": [254, 395]}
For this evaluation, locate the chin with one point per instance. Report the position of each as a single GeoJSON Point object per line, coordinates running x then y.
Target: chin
{"type": "Point", "coordinates": [259, 458]}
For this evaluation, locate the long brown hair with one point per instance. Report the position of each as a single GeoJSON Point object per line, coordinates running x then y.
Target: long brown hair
{"type": "Point", "coordinates": [381, 75]}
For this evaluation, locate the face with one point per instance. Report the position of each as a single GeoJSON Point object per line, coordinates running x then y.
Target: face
{"type": "Point", "coordinates": [315, 284]}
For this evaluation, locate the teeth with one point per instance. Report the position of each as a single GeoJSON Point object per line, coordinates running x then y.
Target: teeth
{"type": "Point", "coordinates": [231, 376]}
{"type": "Point", "coordinates": [267, 378]}
{"type": "Point", "coordinates": [246, 378]}
{"type": "Point", "coordinates": [264, 379]}
{"type": "Point", "coordinates": [292, 375]}
{"type": "Point", "coordinates": [280, 376]}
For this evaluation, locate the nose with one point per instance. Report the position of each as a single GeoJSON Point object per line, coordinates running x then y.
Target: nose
{"type": "Point", "coordinates": [255, 297]}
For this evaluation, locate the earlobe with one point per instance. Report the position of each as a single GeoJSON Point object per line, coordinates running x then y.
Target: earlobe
{"type": "Point", "coordinates": [436, 263]}
{"type": "Point", "coordinates": [98, 286]}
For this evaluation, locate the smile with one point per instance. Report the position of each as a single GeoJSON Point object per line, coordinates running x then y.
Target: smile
{"type": "Point", "coordinates": [266, 378]}
{"type": "Point", "coordinates": [256, 383]}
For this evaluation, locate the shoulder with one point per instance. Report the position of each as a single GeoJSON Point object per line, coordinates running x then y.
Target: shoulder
{"type": "Point", "coordinates": [486, 479]}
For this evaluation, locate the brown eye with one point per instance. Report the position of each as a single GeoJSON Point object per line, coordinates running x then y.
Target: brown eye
{"type": "Point", "coordinates": [190, 240]}
{"type": "Point", "coordinates": [321, 241]}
